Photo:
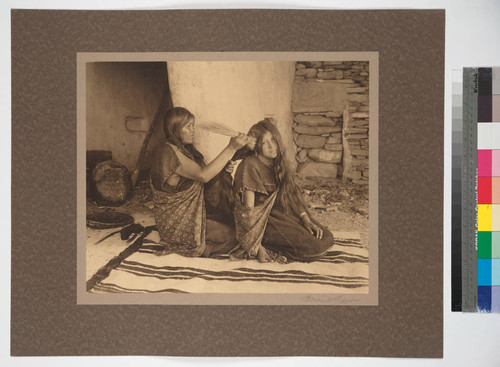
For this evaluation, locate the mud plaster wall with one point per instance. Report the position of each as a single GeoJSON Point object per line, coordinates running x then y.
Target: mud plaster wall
{"type": "Point", "coordinates": [117, 92]}
{"type": "Point", "coordinates": [238, 94]}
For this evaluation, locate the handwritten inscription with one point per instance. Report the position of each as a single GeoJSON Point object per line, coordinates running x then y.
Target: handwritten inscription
{"type": "Point", "coordinates": [343, 300]}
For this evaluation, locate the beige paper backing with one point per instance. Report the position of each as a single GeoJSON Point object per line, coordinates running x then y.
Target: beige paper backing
{"type": "Point", "coordinates": [369, 298]}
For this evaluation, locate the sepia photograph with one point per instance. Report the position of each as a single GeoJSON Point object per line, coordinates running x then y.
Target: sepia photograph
{"type": "Point", "coordinates": [244, 178]}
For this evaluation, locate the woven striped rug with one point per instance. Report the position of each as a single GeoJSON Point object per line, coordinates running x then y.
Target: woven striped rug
{"type": "Point", "coordinates": [344, 269]}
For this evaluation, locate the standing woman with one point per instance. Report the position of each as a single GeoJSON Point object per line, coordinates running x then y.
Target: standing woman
{"type": "Point", "coordinates": [271, 217]}
{"type": "Point", "coordinates": [177, 180]}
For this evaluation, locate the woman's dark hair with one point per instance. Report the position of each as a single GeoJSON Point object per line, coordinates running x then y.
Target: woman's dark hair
{"type": "Point", "coordinates": [175, 119]}
{"type": "Point", "coordinates": [290, 197]}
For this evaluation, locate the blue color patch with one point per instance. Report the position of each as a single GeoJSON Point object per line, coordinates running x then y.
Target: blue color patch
{"type": "Point", "coordinates": [484, 272]}
{"type": "Point", "coordinates": [484, 299]}
{"type": "Point", "coordinates": [495, 272]}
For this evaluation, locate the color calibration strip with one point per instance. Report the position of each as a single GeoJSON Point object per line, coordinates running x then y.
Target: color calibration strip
{"type": "Point", "coordinates": [488, 190]}
{"type": "Point", "coordinates": [476, 190]}
{"type": "Point", "coordinates": [456, 197]}
{"type": "Point", "coordinates": [469, 190]}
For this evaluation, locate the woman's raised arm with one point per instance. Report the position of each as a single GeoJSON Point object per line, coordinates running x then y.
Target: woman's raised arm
{"type": "Point", "coordinates": [190, 169]}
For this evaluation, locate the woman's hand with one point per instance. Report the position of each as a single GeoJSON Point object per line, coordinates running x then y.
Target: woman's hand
{"type": "Point", "coordinates": [251, 142]}
{"type": "Point", "coordinates": [230, 166]}
{"type": "Point", "coordinates": [312, 228]}
{"type": "Point", "coordinates": [239, 141]}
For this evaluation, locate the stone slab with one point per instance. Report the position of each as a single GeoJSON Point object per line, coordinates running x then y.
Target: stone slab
{"type": "Point", "coordinates": [316, 169]}
{"type": "Point", "coordinates": [316, 96]}
{"type": "Point", "coordinates": [310, 141]}
{"type": "Point", "coordinates": [314, 120]}
{"type": "Point", "coordinates": [316, 130]}
{"type": "Point", "coordinates": [327, 156]}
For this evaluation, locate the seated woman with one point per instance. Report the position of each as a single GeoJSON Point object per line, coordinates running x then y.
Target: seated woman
{"type": "Point", "coordinates": [272, 220]}
{"type": "Point", "coordinates": [177, 180]}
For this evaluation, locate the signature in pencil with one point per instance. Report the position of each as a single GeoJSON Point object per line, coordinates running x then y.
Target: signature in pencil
{"type": "Point", "coordinates": [330, 299]}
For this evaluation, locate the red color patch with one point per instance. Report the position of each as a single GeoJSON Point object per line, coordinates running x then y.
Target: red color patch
{"type": "Point", "coordinates": [484, 190]}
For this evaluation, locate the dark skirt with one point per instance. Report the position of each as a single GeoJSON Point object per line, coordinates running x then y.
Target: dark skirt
{"type": "Point", "coordinates": [287, 236]}
{"type": "Point", "coordinates": [220, 238]}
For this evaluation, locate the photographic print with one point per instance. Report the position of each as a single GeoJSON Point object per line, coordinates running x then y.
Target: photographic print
{"type": "Point", "coordinates": [244, 178]}
{"type": "Point", "coordinates": [91, 160]}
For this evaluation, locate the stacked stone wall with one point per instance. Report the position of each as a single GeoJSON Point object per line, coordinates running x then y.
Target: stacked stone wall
{"type": "Point", "coordinates": [355, 144]}
{"type": "Point", "coordinates": [330, 119]}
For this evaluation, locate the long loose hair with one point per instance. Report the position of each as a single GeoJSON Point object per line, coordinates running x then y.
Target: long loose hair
{"type": "Point", "coordinates": [290, 197]}
{"type": "Point", "coordinates": [218, 191]}
{"type": "Point", "coordinates": [175, 119]}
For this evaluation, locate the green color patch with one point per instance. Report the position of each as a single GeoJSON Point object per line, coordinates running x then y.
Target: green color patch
{"type": "Point", "coordinates": [495, 245]}
{"type": "Point", "coordinates": [484, 245]}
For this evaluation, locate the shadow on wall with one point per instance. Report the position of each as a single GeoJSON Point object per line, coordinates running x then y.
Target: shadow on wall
{"type": "Point", "coordinates": [122, 99]}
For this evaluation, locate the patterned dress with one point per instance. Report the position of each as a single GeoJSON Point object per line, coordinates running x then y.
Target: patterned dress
{"type": "Point", "coordinates": [266, 223]}
{"type": "Point", "coordinates": [180, 213]}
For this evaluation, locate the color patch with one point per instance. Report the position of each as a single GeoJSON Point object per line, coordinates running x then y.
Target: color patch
{"type": "Point", "coordinates": [485, 81]}
{"type": "Point", "coordinates": [484, 272]}
{"type": "Point", "coordinates": [495, 134]}
{"type": "Point", "coordinates": [484, 245]}
{"type": "Point", "coordinates": [484, 100]}
{"type": "Point", "coordinates": [484, 298]}
{"type": "Point", "coordinates": [495, 190]}
{"type": "Point", "coordinates": [495, 245]}
{"type": "Point", "coordinates": [484, 190]}
{"type": "Point", "coordinates": [495, 80]}
{"type": "Point", "coordinates": [495, 115]}
{"type": "Point", "coordinates": [495, 272]}
{"type": "Point", "coordinates": [495, 162]}
{"type": "Point", "coordinates": [495, 298]}
{"type": "Point", "coordinates": [484, 163]}
{"type": "Point", "coordinates": [484, 217]}
{"type": "Point", "coordinates": [495, 217]}
{"type": "Point", "coordinates": [484, 137]}
{"type": "Point", "coordinates": [484, 105]}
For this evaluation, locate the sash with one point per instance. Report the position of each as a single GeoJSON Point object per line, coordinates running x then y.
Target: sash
{"type": "Point", "coordinates": [251, 223]}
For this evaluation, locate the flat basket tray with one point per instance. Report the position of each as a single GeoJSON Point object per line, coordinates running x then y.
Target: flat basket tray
{"type": "Point", "coordinates": [108, 219]}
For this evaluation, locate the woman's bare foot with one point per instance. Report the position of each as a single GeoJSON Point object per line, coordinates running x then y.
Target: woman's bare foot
{"type": "Point", "coordinates": [263, 256]}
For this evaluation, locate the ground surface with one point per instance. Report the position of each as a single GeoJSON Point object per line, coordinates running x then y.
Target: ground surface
{"type": "Point", "coordinates": [340, 206]}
